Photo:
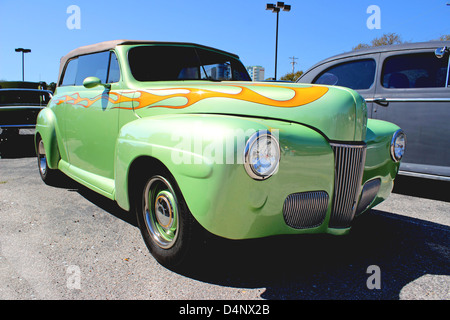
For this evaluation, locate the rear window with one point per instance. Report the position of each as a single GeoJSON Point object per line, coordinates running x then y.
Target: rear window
{"type": "Point", "coordinates": [357, 75]}
{"type": "Point", "coordinates": [17, 97]}
{"type": "Point", "coordinates": [422, 70]}
{"type": "Point", "coordinates": [165, 63]}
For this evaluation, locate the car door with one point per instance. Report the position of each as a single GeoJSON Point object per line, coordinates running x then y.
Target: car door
{"type": "Point", "coordinates": [354, 72]}
{"type": "Point", "coordinates": [92, 115]}
{"type": "Point", "coordinates": [413, 93]}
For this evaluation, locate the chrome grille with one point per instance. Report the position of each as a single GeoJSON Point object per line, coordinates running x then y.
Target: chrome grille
{"type": "Point", "coordinates": [349, 168]}
{"type": "Point", "coordinates": [306, 209]}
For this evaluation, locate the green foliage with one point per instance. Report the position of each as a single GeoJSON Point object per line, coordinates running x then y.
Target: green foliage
{"type": "Point", "coordinates": [445, 37]}
{"type": "Point", "coordinates": [292, 76]}
{"type": "Point", "coordinates": [391, 38]}
{"type": "Point", "coordinates": [384, 40]}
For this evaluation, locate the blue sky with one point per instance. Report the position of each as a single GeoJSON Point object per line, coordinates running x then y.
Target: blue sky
{"type": "Point", "coordinates": [311, 31]}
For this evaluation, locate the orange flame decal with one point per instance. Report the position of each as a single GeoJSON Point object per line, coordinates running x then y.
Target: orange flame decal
{"type": "Point", "coordinates": [144, 98]}
{"type": "Point", "coordinates": [75, 99]}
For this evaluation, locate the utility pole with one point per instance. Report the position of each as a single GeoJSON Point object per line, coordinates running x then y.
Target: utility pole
{"type": "Point", "coordinates": [293, 62]}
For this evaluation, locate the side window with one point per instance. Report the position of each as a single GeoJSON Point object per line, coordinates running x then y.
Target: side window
{"type": "Point", "coordinates": [70, 73]}
{"type": "Point", "coordinates": [114, 69]}
{"type": "Point", "coordinates": [92, 65]}
{"type": "Point", "coordinates": [103, 65]}
{"type": "Point", "coordinates": [420, 70]}
{"type": "Point", "coordinates": [357, 75]}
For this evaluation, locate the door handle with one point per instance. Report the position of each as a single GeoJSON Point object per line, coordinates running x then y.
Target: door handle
{"type": "Point", "coordinates": [381, 101]}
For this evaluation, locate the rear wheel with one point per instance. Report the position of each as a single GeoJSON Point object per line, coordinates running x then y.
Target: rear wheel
{"type": "Point", "coordinates": [166, 224]}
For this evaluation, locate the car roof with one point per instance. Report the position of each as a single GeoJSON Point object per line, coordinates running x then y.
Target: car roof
{"type": "Point", "coordinates": [386, 48]}
{"type": "Point", "coordinates": [20, 84]}
{"type": "Point", "coordinates": [109, 45]}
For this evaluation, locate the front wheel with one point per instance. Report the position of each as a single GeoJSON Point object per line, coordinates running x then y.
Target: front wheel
{"type": "Point", "coordinates": [49, 176]}
{"type": "Point", "coordinates": [166, 224]}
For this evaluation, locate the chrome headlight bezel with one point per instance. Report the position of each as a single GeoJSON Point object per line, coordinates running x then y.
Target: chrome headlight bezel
{"type": "Point", "coordinates": [398, 148]}
{"type": "Point", "coordinates": [257, 141]}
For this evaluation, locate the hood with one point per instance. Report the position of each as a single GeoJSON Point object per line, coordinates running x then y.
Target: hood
{"type": "Point", "coordinates": [338, 113]}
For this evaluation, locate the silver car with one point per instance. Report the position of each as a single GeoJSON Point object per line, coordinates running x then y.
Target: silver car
{"type": "Point", "coordinates": [405, 84]}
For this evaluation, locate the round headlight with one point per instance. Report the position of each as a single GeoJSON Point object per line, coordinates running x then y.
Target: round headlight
{"type": "Point", "coordinates": [261, 155]}
{"type": "Point", "coordinates": [398, 145]}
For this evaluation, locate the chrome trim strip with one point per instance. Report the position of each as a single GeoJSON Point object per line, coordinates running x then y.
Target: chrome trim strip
{"type": "Point", "coordinates": [21, 107]}
{"type": "Point", "coordinates": [409, 99]}
{"type": "Point", "coordinates": [423, 175]}
{"type": "Point", "coordinates": [347, 145]}
{"type": "Point", "coordinates": [26, 89]}
{"type": "Point", "coordinates": [17, 125]}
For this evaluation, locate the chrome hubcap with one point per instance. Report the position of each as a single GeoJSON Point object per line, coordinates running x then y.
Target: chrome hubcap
{"type": "Point", "coordinates": [160, 210]}
{"type": "Point", "coordinates": [164, 210]}
{"type": "Point", "coordinates": [42, 159]}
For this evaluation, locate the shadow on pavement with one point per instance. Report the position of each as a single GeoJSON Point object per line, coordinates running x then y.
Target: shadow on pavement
{"type": "Point", "coordinates": [328, 267]}
{"type": "Point", "coordinates": [319, 266]}
{"type": "Point", "coordinates": [424, 188]}
{"type": "Point", "coordinates": [17, 146]}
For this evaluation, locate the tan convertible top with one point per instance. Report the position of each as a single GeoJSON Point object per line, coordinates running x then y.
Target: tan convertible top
{"type": "Point", "coordinates": [108, 45]}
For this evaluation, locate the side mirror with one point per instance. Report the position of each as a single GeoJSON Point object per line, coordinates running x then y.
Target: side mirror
{"type": "Point", "coordinates": [440, 52]}
{"type": "Point", "coordinates": [91, 82]}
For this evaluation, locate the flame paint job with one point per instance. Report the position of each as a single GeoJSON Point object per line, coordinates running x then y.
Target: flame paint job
{"type": "Point", "coordinates": [301, 96]}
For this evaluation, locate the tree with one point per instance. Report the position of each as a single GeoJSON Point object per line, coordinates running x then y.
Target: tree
{"type": "Point", "coordinates": [292, 76]}
{"type": "Point", "coordinates": [385, 40]}
{"type": "Point", "coordinates": [51, 86]}
{"type": "Point", "coordinates": [445, 37]}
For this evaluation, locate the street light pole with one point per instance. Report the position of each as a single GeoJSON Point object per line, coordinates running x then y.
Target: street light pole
{"type": "Point", "coordinates": [23, 60]}
{"type": "Point", "coordinates": [276, 9]}
{"type": "Point", "coordinates": [276, 43]}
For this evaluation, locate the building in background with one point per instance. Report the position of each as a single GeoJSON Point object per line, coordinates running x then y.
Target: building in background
{"type": "Point", "coordinates": [256, 73]}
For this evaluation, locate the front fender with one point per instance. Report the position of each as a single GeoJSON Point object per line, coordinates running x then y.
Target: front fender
{"type": "Point", "coordinates": [379, 164]}
{"type": "Point", "coordinates": [190, 146]}
{"type": "Point", "coordinates": [204, 153]}
{"type": "Point", "coordinates": [46, 129]}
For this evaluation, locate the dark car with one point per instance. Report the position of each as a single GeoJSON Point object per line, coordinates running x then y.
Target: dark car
{"type": "Point", "coordinates": [405, 84]}
{"type": "Point", "coordinates": [20, 105]}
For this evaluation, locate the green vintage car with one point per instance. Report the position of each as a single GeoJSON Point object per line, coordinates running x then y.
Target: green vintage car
{"type": "Point", "coordinates": [177, 134]}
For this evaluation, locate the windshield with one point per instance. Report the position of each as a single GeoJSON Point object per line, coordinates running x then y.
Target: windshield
{"type": "Point", "coordinates": [18, 97]}
{"type": "Point", "coordinates": [162, 63]}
